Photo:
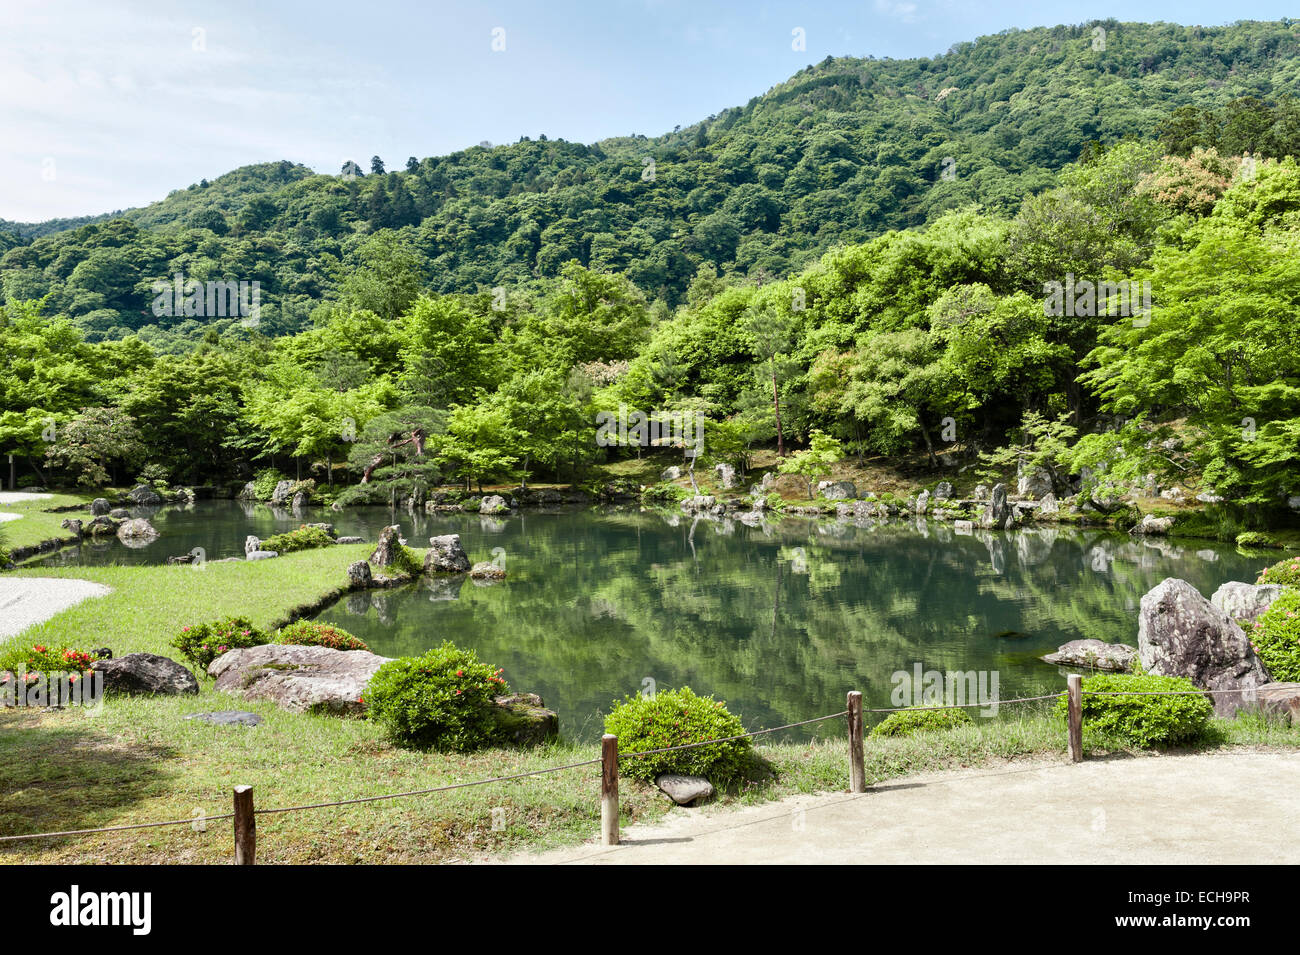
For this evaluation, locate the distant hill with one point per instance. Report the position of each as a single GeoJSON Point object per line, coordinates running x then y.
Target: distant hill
{"type": "Point", "coordinates": [842, 151]}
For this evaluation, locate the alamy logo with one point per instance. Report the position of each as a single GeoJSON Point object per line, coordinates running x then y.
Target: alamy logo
{"type": "Point", "coordinates": [56, 689]}
{"type": "Point", "coordinates": [676, 429]}
{"type": "Point", "coordinates": [1087, 299]}
{"type": "Point", "coordinates": [180, 298]}
{"type": "Point", "coordinates": [75, 907]}
{"type": "Point", "coordinates": [923, 687]}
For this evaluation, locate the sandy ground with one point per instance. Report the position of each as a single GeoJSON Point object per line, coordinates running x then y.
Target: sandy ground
{"type": "Point", "coordinates": [1222, 808]}
{"type": "Point", "coordinates": [17, 497]}
{"type": "Point", "coordinates": [25, 601]}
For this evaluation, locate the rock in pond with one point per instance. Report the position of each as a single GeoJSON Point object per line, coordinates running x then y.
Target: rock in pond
{"type": "Point", "coordinates": [1180, 633]}
{"type": "Point", "coordinates": [1150, 524]}
{"type": "Point", "coordinates": [297, 678]}
{"type": "Point", "coordinates": [99, 506]}
{"type": "Point", "coordinates": [684, 790]}
{"type": "Point", "coordinates": [138, 531]}
{"type": "Point", "coordinates": [445, 555]}
{"type": "Point", "coordinates": [486, 570]}
{"type": "Point", "coordinates": [351, 540]}
{"type": "Point", "coordinates": [227, 718]}
{"type": "Point", "coordinates": [359, 574]}
{"type": "Point", "coordinates": [494, 504]}
{"type": "Point", "coordinates": [389, 546]}
{"type": "Point", "coordinates": [145, 673]}
{"type": "Point", "coordinates": [1094, 655]}
{"type": "Point", "coordinates": [71, 524]}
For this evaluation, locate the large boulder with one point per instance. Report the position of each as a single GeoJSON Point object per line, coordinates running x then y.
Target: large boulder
{"type": "Point", "coordinates": [145, 496]}
{"type": "Point", "coordinates": [1048, 506]}
{"type": "Point", "coordinates": [72, 524]}
{"type": "Point", "coordinates": [101, 525]}
{"type": "Point", "coordinates": [359, 574]}
{"type": "Point", "coordinates": [137, 531]}
{"type": "Point", "coordinates": [494, 504]}
{"type": "Point", "coordinates": [99, 506]}
{"type": "Point", "coordinates": [1279, 699]}
{"type": "Point", "coordinates": [837, 490]}
{"type": "Point", "coordinates": [524, 719]}
{"type": "Point", "coordinates": [998, 515]}
{"type": "Point", "coordinates": [1150, 524]}
{"type": "Point", "coordinates": [282, 493]}
{"type": "Point", "coordinates": [296, 678]}
{"type": "Point", "coordinates": [486, 570]}
{"type": "Point", "coordinates": [702, 504]}
{"type": "Point", "coordinates": [446, 555]}
{"type": "Point", "coordinates": [1180, 633]}
{"type": "Point", "coordinates": [389, 547]}
{"type": "Point", "coordinates": [1094, 655]}
{"type": "Point", "coordinates": [1242, 601]}
{"type": "Point", "coordinates": [922, 502]}
{"type": "Point", "coordinates": [943, 491]}
{"type": "Point", "coordinates": [726, 476]}
{"type": "Point", "coordinates": [1036, 484]}
{"type": "Point", "coordinates": [670, 473]}
{"type": "Point", "coordinates": [981, 492]}
{"type": "Point", "coordinates": [145, 673]}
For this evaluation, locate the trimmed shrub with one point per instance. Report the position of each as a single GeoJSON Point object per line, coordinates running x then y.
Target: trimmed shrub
{"type": "Point", "coordinates": [673, 718]}
{"type": "Point", "coordinates": [304, 538]}
{"type": "Point", "coordinates": [918, 720]}
{"type": "Point", "coordinates": [308, 633]}
{"type": "Point", "coordinates": [264, 483]}
{"type": "Point", "coordinates": [1144, 721]}
{"type": "Point", "coordinates": [442, 700]}
{"type": "Point", "coordinates": [665, 494]}
{"type": "Point", "coordinates": [1255, 539]}
{"type": "Point", "coordinates": [1276, 637]}
{"type": "Point", "coordinates": [1283, 572]}
{"type": "Point", "coordinates": [204, 642]}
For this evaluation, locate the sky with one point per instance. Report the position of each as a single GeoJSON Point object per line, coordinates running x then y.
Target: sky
{"type": "Point", "coordinates": [108, 104]}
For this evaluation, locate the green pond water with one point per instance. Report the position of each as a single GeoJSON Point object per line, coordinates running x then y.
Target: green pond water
{"type": "Point", "coordinates": [780, 621]}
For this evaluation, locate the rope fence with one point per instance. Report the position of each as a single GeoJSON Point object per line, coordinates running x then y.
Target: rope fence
{"type": "Point", "coordinates": [244, 814]}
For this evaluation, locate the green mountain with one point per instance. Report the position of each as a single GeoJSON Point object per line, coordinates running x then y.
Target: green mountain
{"type": "Point", "coordinates": [841, 152]}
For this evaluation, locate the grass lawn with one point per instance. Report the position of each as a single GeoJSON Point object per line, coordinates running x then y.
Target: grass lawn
{"type": "Point", "coordinates": [36, 524]}
{"type": "Point", "coordinates": [139, 760]}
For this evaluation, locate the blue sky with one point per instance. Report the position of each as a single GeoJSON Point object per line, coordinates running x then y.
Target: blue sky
{"type": "Point", "coordinates": [106, 104]}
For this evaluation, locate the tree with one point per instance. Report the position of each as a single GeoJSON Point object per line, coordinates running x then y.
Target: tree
{"type": "Point", "coordinates": [815, 462]}
{"type": "Point", "coordinates": [376, 166]}
{"type": "Point", "coordinates": [94, 443]}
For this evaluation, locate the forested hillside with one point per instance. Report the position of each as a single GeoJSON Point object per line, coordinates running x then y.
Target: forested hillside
{"type": "Point", "coordinates": [841, 152]}
{"type": "Point", "coordinates": [803, 266]}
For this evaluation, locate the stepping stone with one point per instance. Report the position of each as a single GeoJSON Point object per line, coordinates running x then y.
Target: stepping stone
{"type": "Point", "coordinates": [227, 718]}
{"type": "Point", "coordinates": [684, 790]}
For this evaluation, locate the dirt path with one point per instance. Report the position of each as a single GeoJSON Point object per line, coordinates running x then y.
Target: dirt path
{"type": "Point", "coordinates": [1240, 807]}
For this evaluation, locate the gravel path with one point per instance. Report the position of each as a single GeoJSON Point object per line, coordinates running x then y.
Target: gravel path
{"type": "Point", "coordinates": [25, 601]}
{"type": "Point", "coordinates": [18, 497]}
{"type": "Point", "coordinates": [1232, 807]}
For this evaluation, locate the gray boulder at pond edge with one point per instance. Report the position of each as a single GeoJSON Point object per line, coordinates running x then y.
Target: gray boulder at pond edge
{"type": "Point", "coordinates": [494, 504]}
{"type": "Point", "coordinates": [389, 546]}
{"type": "Point", "coordinates": [446, 555]}
{"type": "Point", "coordinates": [684, 790]}
{"type": "Point", "coordinates": [144, 495]}
{"type": "Point", "coordinates": [837, 490]}
{"type": "Point", "coordinates": [1242, 601]}
{"type": "Point", "coordinates": [298, 679]}
{"type": "Point", "coordinates": [1093, 654]}
{"type": "Point", "coordinates": [1180, 633]}
{"type": "Point", "coordinates": [99, 506]}
{"type": "Point", "coordinates": [145, 673]}
{"type": "Point", "coordinates": [137, 531]}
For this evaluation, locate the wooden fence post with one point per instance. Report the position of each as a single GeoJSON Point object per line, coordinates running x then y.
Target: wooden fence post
{"type": "Point", "coordinates": [1074, 688]}
{"type": "Point", "coordinates": [609, 790]}
{"type": "Point", "coordinates": [857, 767]}
{"type": "Point", "coordinates": [245, 826]}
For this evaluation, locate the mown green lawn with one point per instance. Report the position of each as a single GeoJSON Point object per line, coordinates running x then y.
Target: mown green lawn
{"type": "Point", "coordinates": [36, 524]}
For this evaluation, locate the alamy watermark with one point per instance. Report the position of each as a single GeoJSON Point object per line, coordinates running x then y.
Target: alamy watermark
{"type": "Point", "coordinates": [922, 687]}
{"type": "Point", "coordinates": [1087, 299]}
{"type": "Point", "coordinates": [194, 299]}
{"type": "Point", "coordinates": [53, 689]}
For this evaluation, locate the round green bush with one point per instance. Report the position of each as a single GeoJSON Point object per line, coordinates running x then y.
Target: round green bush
{"type": "Point", "coordinates": [308, 633]}
{"type": "Point", "coordinates": [672, 718]}
{"type": "Point", "coordinates": [1255, 539]}
{"type": "Point", "coordinates": [1276, 636]}
{"type": "Point", "coordinates": [917, 719]}
{"type": "Point", "coordinates": [442, 700]}
{"type": "Point", "coordinates": [1283, 572]}
{"type": "Point", "coordinates": [204, 642]}
{"type": "Point", "coordinates": [1144, 721]}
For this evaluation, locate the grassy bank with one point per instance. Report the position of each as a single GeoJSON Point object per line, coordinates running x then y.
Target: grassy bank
{"type": "Point", "coordinates": [37, 524]}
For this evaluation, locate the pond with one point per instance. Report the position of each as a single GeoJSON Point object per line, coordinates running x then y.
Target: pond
{"type": "Point", "coordinates": [779, 620]}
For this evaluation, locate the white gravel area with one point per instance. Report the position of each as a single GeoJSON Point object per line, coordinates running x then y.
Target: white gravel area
{"type": "Point", "coordinates": [25, 601]}
{"type": "Point", "coordinates": [17, 497]}
{"type": "Point", "coordinates": [8, 516]}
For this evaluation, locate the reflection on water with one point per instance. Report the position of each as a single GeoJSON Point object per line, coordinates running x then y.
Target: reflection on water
{"type": "Point", "coordinates": [779, 619]}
